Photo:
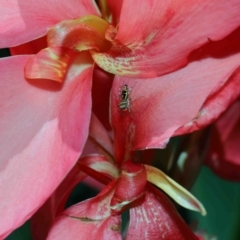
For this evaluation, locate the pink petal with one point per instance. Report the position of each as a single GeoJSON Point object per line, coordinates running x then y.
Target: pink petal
{"type": "Point", "coordinates": [223, 157]}
{"type": "Point", "coordinates": [224, 94]}
{"type": "Point", "coordinates": [23, 21]}
{"type": "Point", "coordinates": [159, 106]}
{"type": "Point", "coordinates": [44, 126]}
{"type": "Point", "coordinates": [87, 220]}
{"type": "Point", "coordinates": [216, 103]}
{"type": "Point", "coordinates": [154, 217]}
{"type": "Point", "coordinates": [42, 220]}
{"type": "Point", "coordinates": [159, 38]}
{"type": "Point", "coordinates": [49, 63]}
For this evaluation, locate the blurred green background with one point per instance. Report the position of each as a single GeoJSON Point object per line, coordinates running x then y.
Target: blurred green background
{"type": "Point", "coordinates": [222, 202]}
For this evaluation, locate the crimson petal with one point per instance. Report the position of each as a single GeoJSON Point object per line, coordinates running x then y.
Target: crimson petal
{"type": "Point", "coordinates": [154, 217]}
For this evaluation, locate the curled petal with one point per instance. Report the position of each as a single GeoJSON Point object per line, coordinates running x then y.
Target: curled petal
{"type": "Point", "coordinates": [159, 39]}
{"type": "Point", "coordinates": [96, 164]}
{"type": "Point", "coordinates": [80, 34]}
{"type": "Point", "coordinates": [90, 219]}
{"type": "Point", "coordinates": [153, 217]}
{"type": "Point", "coordinates": [225, 93]}
{"type": "Point", "coordinates": [216, 103]}
{"type": "Point", "coordinates": [49, 63]}
{"type": "Point", "coordinates": [43, 128]}
{"type": "Point", "coordinates": [130, 186]}
{"type": "Point", "coordinates": [24, 21]}
{"type": "Point", "coordinates": [174, 190]}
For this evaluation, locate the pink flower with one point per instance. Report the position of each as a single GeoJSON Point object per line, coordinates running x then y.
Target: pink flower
{"type": "Point", "coordinates": [44, 124]}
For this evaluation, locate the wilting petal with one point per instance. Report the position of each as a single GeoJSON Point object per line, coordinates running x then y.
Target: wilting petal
{"type": "Point", "coordinates": [42, 220]}
{"type": "Point", "coordinates": [173, 189]}
{"type": "Point", "coordinates": [130, 186]}
{"type": "Point", "coordinates": [159, 106]}
{"type": "Point", "coordinates": [87, 220]}
{"type": "Point", "coordinates": [224, 151]}
{"type": "Point", "coordinates": [23, 21]}
{"type": "Point", "coordinates": [49, 63]}
{"type": "Point", "coordinates": [44, 126]}
{"type": "Point", "coordinates": [159, 38]}
{"type": "Point", "coordinates": [153, 217]}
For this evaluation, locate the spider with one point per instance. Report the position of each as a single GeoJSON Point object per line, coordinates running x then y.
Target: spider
{"type": "Point", "coordinates": [124, 103]}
